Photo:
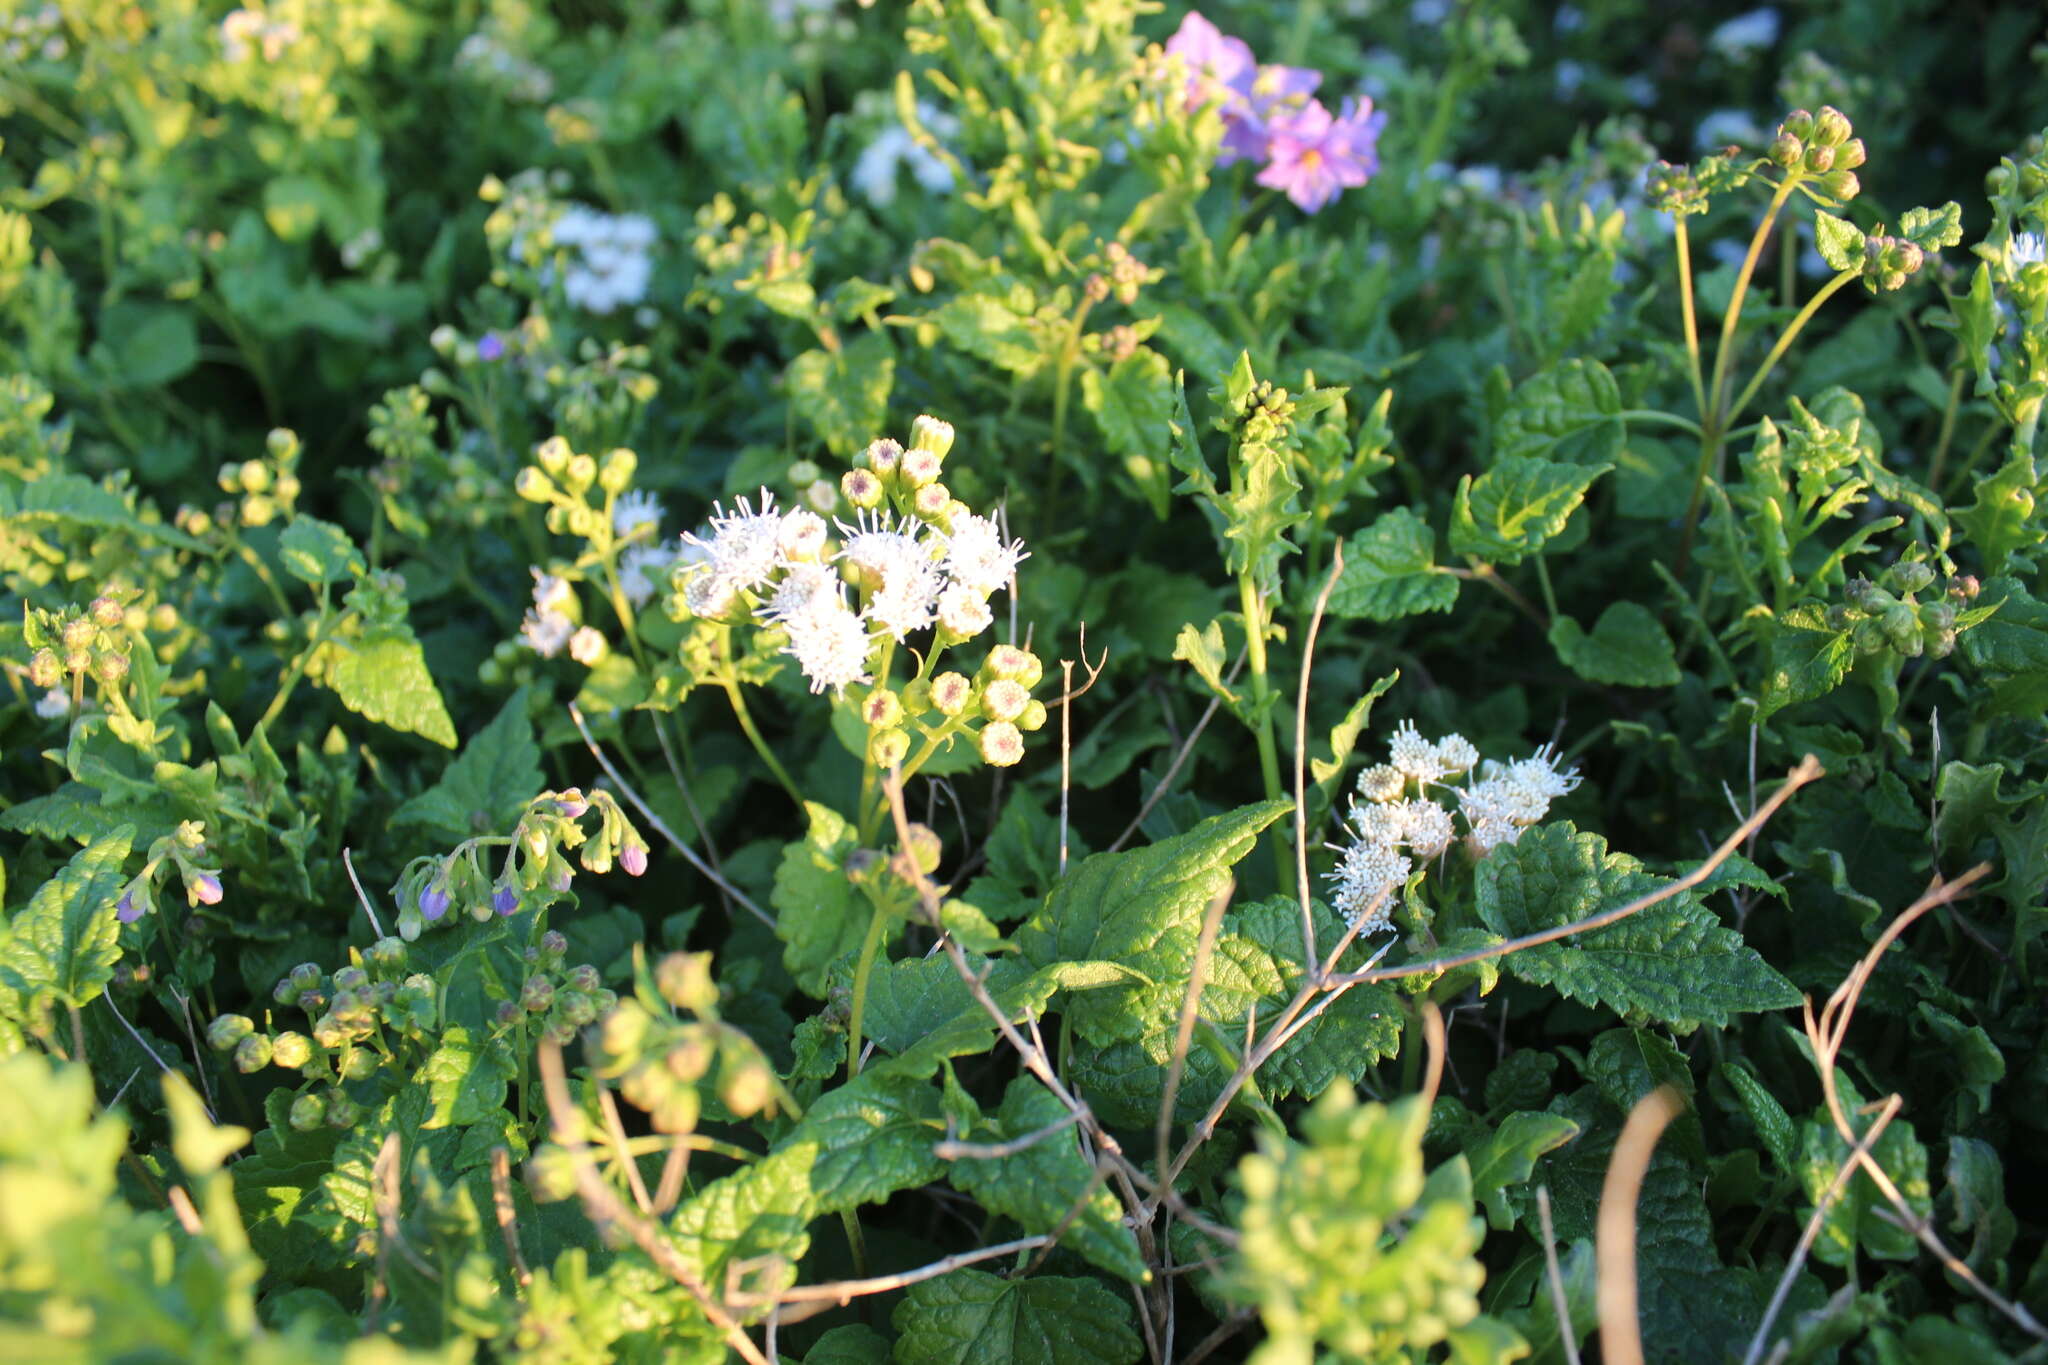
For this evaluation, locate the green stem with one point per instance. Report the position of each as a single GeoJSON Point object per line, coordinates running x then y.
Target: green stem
{"type": "Point", "coordinates": [868, 810]}
{"type": "Point", "coordinates": [746, 720]}
{"type": "Point", "coordinates": [1652, 417]}
{"type": "Point", "coordinates": [863, 970]}
{"type": "Point", "coordinates": [1792, 330]}
{"type": "Point", "coordinates": [1948, 430]}
{"type": "Point", "coordinates": [325, 629]}
{"type": "Point", "coordinates": [1262, 693]}
{"type": "Point", "coordinates": [1726, 351]}
{"type": "Point", "coordinates": [1543, 581]}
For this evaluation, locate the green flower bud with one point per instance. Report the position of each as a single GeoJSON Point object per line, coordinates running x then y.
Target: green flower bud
{"type": "Point", "coordinates": [1786, 150]}
{"type": "Point", "coordinates": [553, 454]}
{"type": "Point", "coordinates": [951, 693]}
{"type": "Point", "coordinates": [579, 520]}
{"type": "Point", "coordinates": [930, 502]}
{"type": "Point", "coordinates": [888, 747]}
{"type": "Point", "coordinates": [929, 433]}
{"type": "Point", "coordinates": [861, 488]}
{"type": "Point", "coordinates": [924, 848]}
{"type": "Point", "coordinates": [342, 1112]}
{"type": "Point", "coordinates": [1912, 576]}
{"type": "Point", "coordinates": [45, 669]}
{"type": "Point", "coordinates": [882, 456]}
{"type": "Point", "coordinates": [252, 1054]}
{"type": "Point", "coordinates": [881, 709]}
{"type": "Point", "coordinates": [1830, 127]}
{"type": "Point", "coordinates": [1003, 699]}
{"type": "Point", "coordinates": [920, 468]}
{"type": "Point", "coordinates": [110, 667]}
{"type": "Point", "coordinates": [359, 1065]}
{"type": "Point", "coordinates": [254, 476]}
{"type": "Point", "coordinates": [532, 485]}
{"type": "Point", "coordinates": [107, 613]}
{"type": "Point", "coordinates": [308, 1113]}
{"type": "Point", "coordinates": [1819, 159]}
{"type": "Point", "coordinates": [616, 474]}
{"type": "Point", "coordinates": [1841, 185]}
{"type": "Point", "coordinates": [1018, 665]}
{"type": "Point", "coordinates": [281, 444]}
{"type": "Point", "coordinates": [917, 698]}
{"type": "Point", "coordinates": [387, 954]}
{"type": "Point", "coordinates": [79, 633]}
{"type": "Point", "coordinates": [1798, 123]}
{"type": "Point", "coordinates": [307, 976]}
{"type": "Point", "coordinates": [746, 1088]}
{"type": "Point", "coordinates": [291, 1050]}
{"type": "Point", "coordinates": [1849, 155]}
{"type": "Point", "coordinates": [351, 979]}
{"type": "Point", "coordinates": [537, 994]}
{"type": "Point", "coordinates": [1033, 717]}
{"type": "Point", "coordinates": [580, 473]}
{"type": "Point", "coordinates": [228, 1031]}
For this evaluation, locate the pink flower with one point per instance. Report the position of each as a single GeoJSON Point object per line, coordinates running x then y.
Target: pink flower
{"type": "Point", "coordinates": [1316, 157]}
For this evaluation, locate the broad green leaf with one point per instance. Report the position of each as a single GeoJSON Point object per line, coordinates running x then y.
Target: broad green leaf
{"type": "Point", "coordinates": [844, 394]}
{"type": "Point", "coordinates": [1933, 229]}
{"type": "Point", "coordinates": [759, 1215]}
{"type": "Point", "coordinates": [1507, 1157]}
{"type": "Point", "coordinates": [856, 1343]}
{"type": "Point", "coordinates": [1390, 571]}
{"type": "Point", "coordinates": [1628, 646]}
{"type": "Point", "coordinates": [466, 1078]}
{"type": "Point", "coordinates": [1142, 910]}
{"type": "Point", "coordinates": [482, 790]}
{"type": "Point", "coordinates": [317, 552]}
{"type": "Point", "coordinates": [1673, 962]}
{"type": "Point", "coordinates": [1042, 1185]}
{"type": "Point", "coordinates": [1807, 660]}
{"type": "Point", "coordinates": [1839, 241]}
{"type": "Point", "coordinates": [988, 327]}
{"type": "Point", "coordinates": [1569, 413]}
{"type": "Point", "coordinates": [1857, 1221]}
{"type": "Point", "coordinates": [818, 915]}
{"type": "Point", "coordinates": [2001, 521]}
{"type": "Point", "coordinates": [1625, 1064]}
{"type": "Point", "coordinates": [873, 1137]}
{"type": "Point", "coordinates": [924, 1013]}
{"type": "Point", "coordinates": [1132, 402]}
{"type": "Point", "coordinates": [971, 1317]}
{"type": "Point", "coordinates": [383, 676]}
{"type": "Point", "coordinates": [1773, 1124]}
{"type": "Point", "coordinates": [146, 345]}
{"type": "Point", "coordinates": [61, 948]}
{"type": "Point", "coordinates": [1195, 340]}
{"type": "Point", "coordinates": [1517, 507]}
{"type": "Point", "coordinates": [73, 499]}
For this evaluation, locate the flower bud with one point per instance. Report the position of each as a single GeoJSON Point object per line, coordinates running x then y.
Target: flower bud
{"type": "Point", "coordinates": [45, 669]}
{"type": "Point", "coordinates": [307, 976]}
{"type": "Point", "coordinates": [1912, 576]}
{"type": "Point", "coordinates": [433, 900]}
{"type": "Point", "coordinates": [930, 503]}
{"type": "Point", "coordinates": [1003, 699]}
{"type": "Point", "coordinates": [1830, 127]}
{"type": "Point", "coordinates": [920, 468]}
{"type": "Point", "coordinates": [1841, 185]}
{"type": "Point", "coordinates": [861, 488]}
{"type": "Point", "coordinates": [532, 485]}
{"type": "Point", "coordinates": [888, 747]}
{"type": "Point", "coordinates": [950, 693]}
{"type": "Point", "coordinates": [204, 889]}
{"type": "Point", "coordinates": [684, 980]}
{"type": "Point", "coordinates": [1849, 155]}
{"type": "Point", "coordinates": [387, 954]}
{"type": "Point", "coordinates": [252, 1054]}
{"type": "Point", "coordinates": [107, 612]}
{"type": "Point", "coordinates": [746, 1088]}
{"type": "Point", "coordinates": [882, 708]}
{"type": "Point", "coordinates": [554, 946]}
{"type": "Point", "coordinates": [359, 1065]}
{"type": "Point", "coordinates": [924, 848]}
{"type": "Point", "coordinates": [882, 456]}
{"type": "Point", "coordinates": [308, 1113]}
{"type": "Point", "coordinates": [580, 473]}
{"type": "Point", "coordinates": [110, 667]}
{"type": "Point", "coordinates": [1819, 159]}
{"type": "Point", "coordinates": [228, 1031]}
{"type": "Point", "coordinates": [553, 454]}
{"type": "Point", "coordinates": [1001, 744]}
{"type": "Point", "coordinates": [342, 1112]}
{"type": "Point", "coordinates": [1786, 150]}
{"type": "Point", "coordinates": [589, 647]}
{"type": "Point", "coordinates": [615, 475]}
{"type": "Point", "coordinates": [633, 856]}
{"type": "Point", "coordinates": [291, 1050]}
{"type": "Point", "coordinates": [79, 633]}
{"type": "Point", "coordinates": [536, 995]}
{"type": "Point", "coordinates": [504, 898]}
{"type": "Point", "coordinates": [1798, 124]}
{"type": "Point", "coordinates": [1033, 717]}
{"type": "Point", "coordinates": [1018, 665]}
{"type": "Point", "coordinates": [931, 434]}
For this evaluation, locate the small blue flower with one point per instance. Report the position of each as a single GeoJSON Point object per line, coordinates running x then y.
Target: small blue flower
{"type": "Point", "coordinates": [126, 910]}
{"type": "Point", "coordinates": [505, 898]}
{"type": "Point", "coordinates": [490, 348]}
{"type": "Point", "coordinates": [434, 900]}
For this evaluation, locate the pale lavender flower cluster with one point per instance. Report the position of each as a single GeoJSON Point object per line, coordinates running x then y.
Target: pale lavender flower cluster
{"type": "Point", "coordinates": [1392, 830]}
{"type": "Point", "coordinates": [1270, 114]}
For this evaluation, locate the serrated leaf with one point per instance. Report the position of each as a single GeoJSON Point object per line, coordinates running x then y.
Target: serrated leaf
{"type": "Point", "coordinates": [1041, 1186]}
{"type": "Point", "coordinates": [61, 948]}
{"type": "Point", "coordinates": [873, 1136]}
{"type": "Point", "coordinates": [2001, 520]}
{"type": "Point", "coordinates": [924, 1013]}
{"type": "Point", "coordinates": [1839, 241]}
{"type": "Point", "coordinates": [1131, 401]}
{"type": "Point", "coordinates": [1259, 964]}
{"type": "Point", "coordinates": [1204, 650]}
{"type": "Point", "coordinates": [1390, 571]}
{"type": "Point", "coordinates": [383, 677]}
{"type": "Point", "coordinates": [1570, 412]}
{"type": "Point", "coordinates": [760, 1215]}
{"type": "Point", "coordinates": [1327, 772]}
{"type": "Point", "coordinates": [818, 915]}
{"type": "Point", "coordinates": [971, 1317]}
{"type": "Point", "coordinates": [1628, 647]}
{"type": "Point", "coordinates": [482, 790]}
{"type": "Point", "coordinates": [76, 500]}
{"type": "Point", "coordinates": [1773, 1124]}
{"type": "Point", "coordinates": [1517, 507]}
{"type": "Point", "coordinates": [844, 394]}
{"type": "Point", "coordinates": [466, 1078]}
{"type": "Point", "coordinates": [987, 327]}
{"type": "Point", "coordinates": [1625, 1064]}
{"type": "Point", "coordinates": [1933, 229]}
{"type": "Point", "coordinates": [1673, 962]}
{"type": "Point", "coordinates": [1509, 1155]}
{"type": "Point", "coordinates": [317, 552]}
{"type": "Point", "coordinates": [1141, 909]}
{"type": "Point", "coordinates": [1857, 1221]}
{"type": "Point", "coordinates": [1807, 660]}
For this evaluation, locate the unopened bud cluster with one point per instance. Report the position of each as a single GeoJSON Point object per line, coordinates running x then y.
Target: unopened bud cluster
{"type": "Point", "coordinates": [535, 868]}
{"type": "Point", "coordinates": [186, 850]}
{"type": "Point", "coordinates": [265, 489]}
{"type": "Point", "coordinates": [76, 643]}
{"type": "Point", "coordinates": [995, 706]}
{"type": "Point", "coordinates": [664, 1064]}
{"type": "Point", "coordinates": [1892, 613]}
{"type": "Point", "coordinates": [1820, 147]}
{"type": "Point", "coordinates": [1398, 820]}
{"type": "Point", "coordinates": [554, 1000]}
{"type": "Point", "coordinates": [1888, 262]}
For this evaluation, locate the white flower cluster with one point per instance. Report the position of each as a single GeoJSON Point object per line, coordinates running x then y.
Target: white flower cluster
{"type": "Point", "coordinates": [34, 33]}
{"type": "Point", "coordinates": [612, 264]}
{"type": "Point", "coordinates": [244, 32]}
{"type": "Point", "coordinates": [488, 60]}
{"type": "Point", "coordinates": [910, 574]}
{"type": "Point", "coordinates": [894, 149]}
{"type": "Point", "coordinates": [1393, 830]}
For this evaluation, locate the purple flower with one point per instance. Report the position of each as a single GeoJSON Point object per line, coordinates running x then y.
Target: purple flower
{"type": "Point", "coordinates": [571, 809]}
{"type": "Point", "coordinates": [1316, 157]}
{"type": "Point", "coordinates": [433, 900]}
{"type": "Point", "coordinates": [126, 910]}
{"type": "Point", "coordinates": [206, 889]}
{"type": "Point", "coordinates": [1219, 67]}
{"type": "Point", "coordinates": [1275, 94]}
{"type": "Point", "coordinates": [561, 878]}
{"type": "Point", "coordinates": [504, 899]}
{"type": "Point", "coordinates": [490, 348]}
{"type": "Point", "coordinates": [633, 857]}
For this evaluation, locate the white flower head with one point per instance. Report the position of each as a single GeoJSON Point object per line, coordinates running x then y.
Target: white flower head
{"type": "Point", "coordinates": [805, 590]}
{"type": "Point", "coordinates": [709, 594]}
{"type": "Point", "coordinates": [830, 645]}
{"type": "Point", "coordinates": [588, 647]}
{"type": "Point", "coordinates": [2025, 249]}
{"type": "Point", "coordinates": [1385, 825]}
{"type": "Point", "coordinates": [1366, 879]}
{"type": "Point", "coordinates": [745, 546]}
{"type": "Point", "coordinates": [1413, 755]}
{"type": "Point", "coordinates": [978, 556]}
{"type": "Point", "coordinates": [802, 535]}
{"type": "Point", "coordinates": [1456, 754]}
{"type": "Point", "coordinates": [896, 567]}
{"type": "Point", "coordinates": [1382, 782]}
{"type": "Point", "coordinates": [1745, 33]}
{"type": "Point", "coordinates": [964, 612]}
{"type": "Point", "coordinates": [1488, 835]}
{"type": "Point", "coordinates": [1539, 773]}
{"type": "Point", "coordinates": [1427, 828]}
{"type": "Point", "coordinates": [642, 571]}
{"type": "Point", "coordinates": [546, 632]}
{"type": "Point", "coordinates": [54, 704]}
{"type": "Point", "coordinates": [634, 510]}
{"type": "Point", "coordinates": [877, 543]}
{"type": "Point", "coordinates": [550, 593]}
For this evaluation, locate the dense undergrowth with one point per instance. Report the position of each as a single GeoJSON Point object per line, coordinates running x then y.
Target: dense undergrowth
{"type": "Point", "coordinates": [988, 681]}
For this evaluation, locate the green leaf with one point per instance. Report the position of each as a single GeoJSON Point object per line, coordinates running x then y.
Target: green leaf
{"type": "Point", "coordinates": [1625, 1064]}
{"type": "Point", "coordinates": [1628, 646]}
{"type": "Point", "coordinates": [317, 552]}
{"type": "Point", "coordinates": [990, 328]}
{"type": "Point", "coordinates": [1205, 651]}
{"type": "Point", "coordinates": [2001, 521]}
{"type": "Point", "coordinates": [466, 1078]}
{"type": "Point", "coordinates": [873, 1137]}
{"type": "Point", "coordinates": [1933, 229]}
{"type": "Point", "coordinates": [818, 915]}
{"type": "Point", "coordinates": [383, 677]}
{"type": "Point", "coordinates": [146, 345]}
{"type": "Point", "coordinates": [1509, 1155]}
{"type": "Point", "coordinates": [1807, 660]}
{"type": "Point", "coordinates": [845, 394]}
{"type": "Point", "coordinates": [1839, 241]}
{"type": "Point", "coordinates": [760, 1215]}
{"type": "Point", "coordinates": [1042, 1185]}
{"type": "Point", "coordinates": [971, 1317]}
{"type": "Point", "coordinates": [1673, 962]}
{"type": "Point", "coordinates": [1569, 413]}
{"type": "Point", "coordinates": [1390, 571]}
{"type": "Point", "coordinates": [1195, 340]}
{"type": "Point", "coordinates": [1327, 772]}
{"type": "Point", "coordinates": [1515, 508]}
{"type": "Point", "coordinates": [199, 1144]}
{"type": "Point", "coordinates": [483, 789]}
{"type": "Point", "coordinates": [1141, 909]}
{"type": "Point", "coordinates": [1258, 963]}
{"type": "Point", "coordinates": [1773, 1124]}
{"type": "Point", "coordinates": [61, 949]}
{"type": "Point", "coordinates": [1131, 401]}
{"type": "Point", "coordinates": [856, 1343]}
{"type": "Point", "coordinates": [1858, 1220]}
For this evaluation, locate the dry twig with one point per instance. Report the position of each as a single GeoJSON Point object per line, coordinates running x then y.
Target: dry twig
{"type": "Point", "coordinates": [1621, 1341]}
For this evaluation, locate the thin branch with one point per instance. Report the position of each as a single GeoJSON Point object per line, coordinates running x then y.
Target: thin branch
{"type": "Point", "coordinates": [1621, 1340]}
{"type": "Point", "coordinates": [1184, 1031]}
{"type": "Point", "coordinates": [1308, 654]}
{"type": "Point", "coordinates": [1558, 1302]}
{"type": "Point", "coordinates": [1066, 754]}
{"type": "Point", "coordinates": [952, 1150]}
{"type": "Point", "coordinates": [615, 1130]}
{"type": "Point", "coordinates": [696, 860]}
{"type": "Point", "coordinates": [143, 1043]}
{"type": "Point", "coordinates": [839, 1293]}
{"type": "Point", "coordinates": [361, 895]}
{"type": "Point", "coordinates": [1225, 1330]}
{"type": "Point", "coordinates": [508, 1223]}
